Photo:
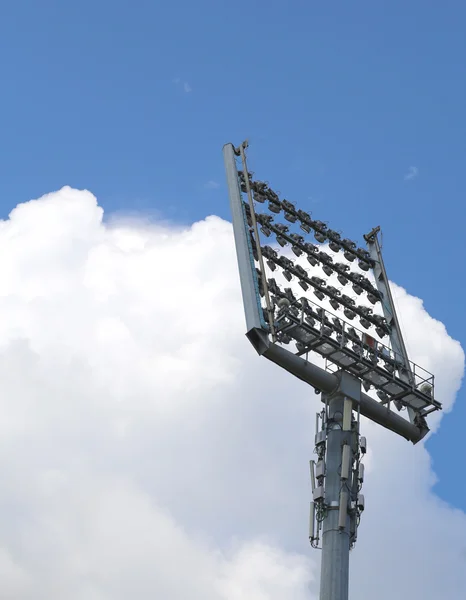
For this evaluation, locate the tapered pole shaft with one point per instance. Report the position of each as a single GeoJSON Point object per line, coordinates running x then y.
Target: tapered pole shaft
{"type": "Point", "coordinates": [334, 578]}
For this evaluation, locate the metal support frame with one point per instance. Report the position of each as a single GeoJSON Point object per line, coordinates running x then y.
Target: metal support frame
{"type": "Point", "coordinates": [255, 322]}
{"type": "Point", "coordinates": [388, 307]}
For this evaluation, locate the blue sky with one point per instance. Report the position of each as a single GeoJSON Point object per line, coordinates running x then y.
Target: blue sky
{"type": "Point", "coordinates": [353, 109]}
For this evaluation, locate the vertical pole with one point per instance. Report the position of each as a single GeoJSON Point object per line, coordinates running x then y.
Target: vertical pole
{"type": "Point", "coordinates": [334, 576]}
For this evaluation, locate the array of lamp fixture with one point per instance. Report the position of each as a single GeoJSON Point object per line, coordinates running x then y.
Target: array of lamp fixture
{"type": "Point", "coordinates": [359, 283]}
{"type": "Point", "coordinates": [375, 363]}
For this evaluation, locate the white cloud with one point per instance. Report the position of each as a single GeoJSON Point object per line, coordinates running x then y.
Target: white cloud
{"type": "Point", "coordinates": [184, 84]}
{"type": "Point", "coordinates": [412, 173]}
{"type": "Point", "coordinates": [146, 450]}
{"type": "Point", "coordinates": [212, 185]}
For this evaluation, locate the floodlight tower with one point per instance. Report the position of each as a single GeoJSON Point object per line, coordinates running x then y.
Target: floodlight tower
{"type": "Point", "coordinates": [354, 359]}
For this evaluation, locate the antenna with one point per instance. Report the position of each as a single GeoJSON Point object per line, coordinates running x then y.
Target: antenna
{"type": "Point", "coordinates": [288, 282]}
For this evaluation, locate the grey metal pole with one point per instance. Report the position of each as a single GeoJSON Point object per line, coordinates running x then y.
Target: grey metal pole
{"type": "Point", "coordinates": [334, 575]}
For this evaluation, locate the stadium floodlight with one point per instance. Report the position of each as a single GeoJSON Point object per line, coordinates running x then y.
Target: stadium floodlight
{"type": "Point", "coordinates": [355, 360]}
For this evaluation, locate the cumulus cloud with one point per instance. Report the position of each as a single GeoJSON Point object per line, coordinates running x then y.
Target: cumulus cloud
{"type": "Point", "coordinates": [147, 451]}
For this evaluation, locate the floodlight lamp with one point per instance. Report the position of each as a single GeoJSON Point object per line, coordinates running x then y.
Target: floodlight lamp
{"type": "Point", "coordinates": [262, 219]}
{"type": "Point", "coordinates": [334, 235]}
{"type": "Point", "coordinates": [274, 207]}
{"type": "Point", "coordinates": [349, 243]}
{"type": "Point", "coordinates": [318, 281]}
{"type": "Point", "coordinates": [327, 270]}
{"type": "Point", "coordinates": [348, 300]}
{"type": "Point", "coordinates": [357, 289]}
{"type": "Point", "coordinates": [273, 286]}
{"type": "Point", "coordinates": [287, 275]}
{"type": "Point", "coordinates": [349, 314]}
{"type": "Point", "coordinates": [259, 197]}
{"type": "Point", "coordinates": [294, 310]}
{"type": "Point", "coordinates": [372, 298]}
{"type": "Point", "coordinates": [366, 262]}
{"type": "Point", "coordinates": [311, 248]}
{"type": "Point", "coordinates": [289, 294]}
{"type": "Point", "coordinates": [284, 338]}
{"type": "Point", "coordinates": [334, 304]}
{"type": "Point", "coordinates": [320, 225]}
{"type": "Point", "coordinates": [323, 316]}
{"type": "Point", "coordinates": [282, 228]}
{"type": "Point", "coordinates": [366, 254]}
{"type": "Point", "coordinates": [297, 238]}
{"type": "Point", "coordinates": [352, 335]}
{"type": "Point", "coordinates": [300, 347]}
{"type": "Point", "coordinates": [319, 294]}
{"type": "Point", "coordinates": [248, 214]}
{"type": "Point", "coordinates": [357, 348]}
{"type": "Point", "coordinates": [266, 231]}
{"type": "Point", "coordinates": [362, 264]}
{"type": "Point", "coordinates": [333, 290]}
{"type": "Point", "coordinates": [281, 240]}
{"type": "Point", "coordinates": [243, 179]}
{"type": "Point", "coordinates": [337, 324]}
{"type": "Point", "coordinates": [340, 269]}
{"type": "Point", "coordinates": [285, 262]}
{"type": "Point", "coordinates": [271, 255]}
{"type": "Point", "coordinates": [254, 249]}
{"type": "Point", "coordinates": [326, 257]}
{"type": "Point", "coordinates": [290, 217]}
{"type": "Point", "coordinates": [320, 237]}
{"type": "Point", "coordinates": [383, 396]}
{"type": "Point", "coordinates": [334, 238]}
{"type": "Point", "coordinates": [364, 322]}
{"type": "Point", "coordinates": [366, 311]}
{"type": "Point", "coordinates": [261, 187]}
{"type": "Point", "coordinates": [305, 221]}
{"type": "Point", "coordinates": [342, 279]}
{"type": "Point", "coordinates": [269, 252]}
{"type": "Point", "coordinates": [349, 256]}
{"type": "Point", "coordinates": [382, 328]}
{"type": "Point", "coordinates": [288, 206]}
{"type": "Point", "coordinates": [300, 270]}
{"type": "Point", "coordinates": [305, 305]}
{"type": "Point", "coordinates": [261, 285]}
{"type": "Point", "coordinates": [273, 196]}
